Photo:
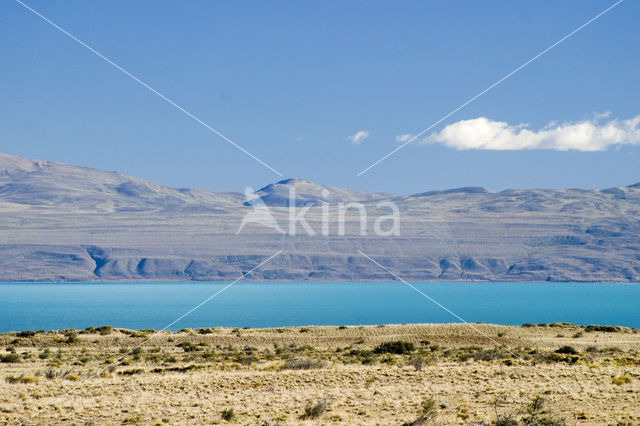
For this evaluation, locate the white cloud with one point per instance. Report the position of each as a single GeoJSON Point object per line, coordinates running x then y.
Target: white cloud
{"type": "Point", "coordinates": [358, 137]}
{"type": "Point", "coordinates": [404, 138]}
{"type": "Point", "coordinates": [588, 135]}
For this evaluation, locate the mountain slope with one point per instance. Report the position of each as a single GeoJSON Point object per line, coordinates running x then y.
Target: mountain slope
{"type": "Point", "coordinates": [45, 183]}
{"type": "Point", "coordinates": [67, 223]}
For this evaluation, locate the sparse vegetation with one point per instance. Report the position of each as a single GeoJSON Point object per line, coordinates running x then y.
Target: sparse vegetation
{"type": "Point", "coordinates": [387, 367]}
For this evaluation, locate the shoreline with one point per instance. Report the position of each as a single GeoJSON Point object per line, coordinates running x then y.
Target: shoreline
{"type": "Point", "coordinates": [605, 282]}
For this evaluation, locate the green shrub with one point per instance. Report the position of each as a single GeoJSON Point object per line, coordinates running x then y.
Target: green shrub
{"type": "Point", "coordinates": [417, 363]}
{"type": "Point", "coordinates": [313, 410]}
{"type": "Point", "coordinates": [398, 347]}
{"type": "Point", "coordinates": [131, 372]}
{"type": "Point", "coordinates": [22, 379]}
{"type": "Point", "coordinates": [302, 364]}
{"type": "Point", "coordinates": [566, 349]}
{"type": "Point", "coordinates": [228, 414]}
{"type": "Point", "coordinates": [621, 380]}
{"type": "Point", "coordinates": [11, 358]}
{"type": "Point", "coordinates": [26, 333]}
{"type": "Point", "coordinates": [245, 359]}
{"type": "Point", "coordinates": [604, 328]}
{"type": "Point", "coordinates": [506, 421]}
{"type": "Point", "coordinates": [104, 330]}
{"type": "Point", "coordinates": [72, 338]}
{"type": "Point", "coordinates": [188, 347]}
{"type": "Point", "coordinates": [536, 414]}
{"type": "Point", "coordinates": [426, 412]}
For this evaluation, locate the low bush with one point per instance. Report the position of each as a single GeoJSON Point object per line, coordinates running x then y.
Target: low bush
{"type": "Point", "coordinates": [313, 410]}
{"type": "Point", "coordinates": [426, 413]}
{"type": "Point", "coordinates": [188, 347]}
{"type": "Point", "coordinates": [566, 349]}
{"type": "Point", "coordinates": [72, 338]}
{"type": "Point", "coordinates": [506, 421]}
{"type": "Point", "coordinates": [21, 379]}
{"type": "Point", "coordinates": [131, 372]}
{"type": "Point", "coordinates": [538, 416]}
{"type": "Point", "coordinates": [11, 358]}
{"type": "Point", "coordinates": [245, 359]}
{"type": "Point", "coordinates": [621, 380]}
{"type": "Point", "coordinates": [302, 364]}
{"type": "Point", "coordinates": [104, 330]}
{"type": "Point", "coordinates": [397, 347]}
{"type": "Point", "coordinates": [417, 363]}
{"type": "Point", "coordinates": [556, 357]}
{"type": "Point", "coordinates": [26, 333]}
{"type": "Point", "coordinates": [604, 328]}
{"type": "Point", "coordinates": [228, 414]}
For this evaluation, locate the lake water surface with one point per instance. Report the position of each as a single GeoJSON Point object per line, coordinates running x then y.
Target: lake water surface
{"type": "Point", "coordinates": [154, 305]}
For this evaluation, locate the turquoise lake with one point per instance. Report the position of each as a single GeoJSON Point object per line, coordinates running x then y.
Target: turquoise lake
{"type": "Point", "coordinates": [155, 305]}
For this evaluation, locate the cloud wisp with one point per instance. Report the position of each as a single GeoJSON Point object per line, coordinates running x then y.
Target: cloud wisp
{"type": "Point", "coordinates": [358, 137]}
{"type": "Point", "coordinates": [485, 134]}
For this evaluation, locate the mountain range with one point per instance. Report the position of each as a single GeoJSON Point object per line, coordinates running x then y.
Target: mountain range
{"type": "Point", "coordinates": [64, 223]}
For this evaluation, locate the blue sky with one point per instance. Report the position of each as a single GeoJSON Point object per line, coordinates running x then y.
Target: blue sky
{"type": "Point", "coordinates": [291, 81]}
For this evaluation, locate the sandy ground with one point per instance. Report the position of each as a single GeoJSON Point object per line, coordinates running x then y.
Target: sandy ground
{"type": "Point", "coordinates": [447, 374]}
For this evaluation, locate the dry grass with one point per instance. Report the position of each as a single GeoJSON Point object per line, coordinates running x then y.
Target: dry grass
{"type": "Point", "coordinates": [443, 374]}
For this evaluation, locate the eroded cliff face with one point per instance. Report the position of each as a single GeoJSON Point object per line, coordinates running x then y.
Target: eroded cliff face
{"type": "Point", "coordinates": [67, 223]}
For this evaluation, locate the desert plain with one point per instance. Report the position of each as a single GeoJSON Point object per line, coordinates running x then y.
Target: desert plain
{"type": "Point", "coordinates": [386, 374]}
